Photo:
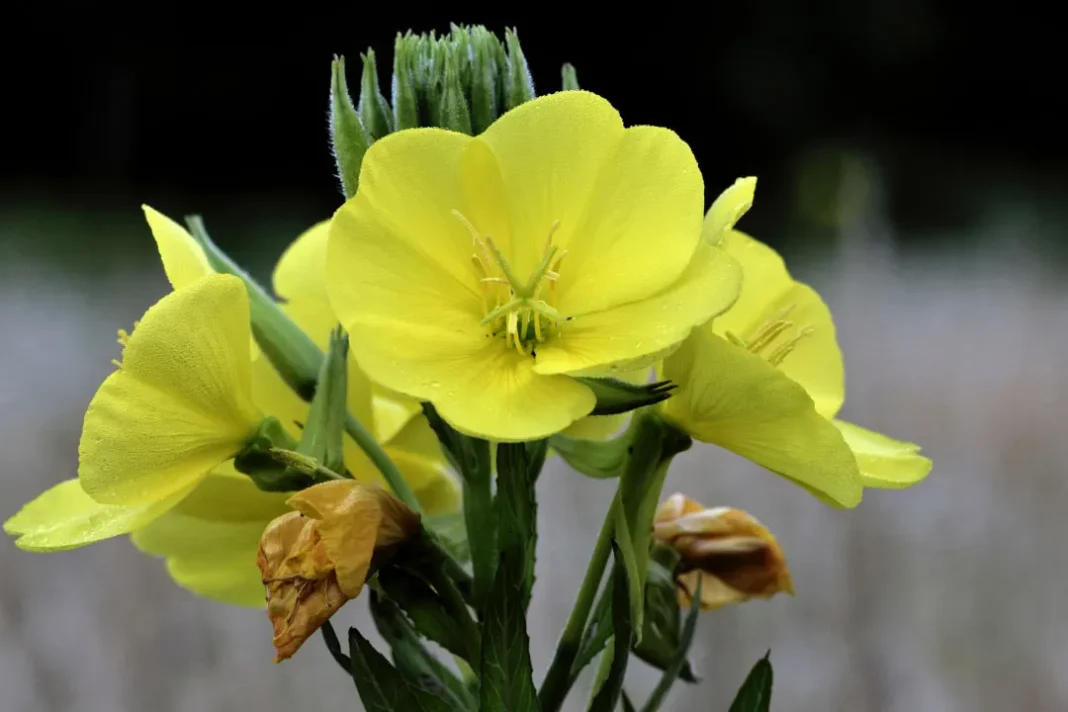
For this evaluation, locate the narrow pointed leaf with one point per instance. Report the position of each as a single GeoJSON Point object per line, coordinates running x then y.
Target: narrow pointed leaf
{"type": "Point", "coordinates": [348, 139]}
{"type": "Point", "coordinates": [381, 686]}
{"type": "Point", "coordinates": [755, 693]}
{"type": "Point", "coordinates": [678, 661]}
{"type": "Point", "coordinates": [608, 694]}
{"type": "Point", "coordinates": [569, 77]}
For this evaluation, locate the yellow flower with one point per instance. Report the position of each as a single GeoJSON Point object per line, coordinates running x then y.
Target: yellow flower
{"type": "Point", "coordinates": [178, 407]}
{"type": "Point", "coordinates": [766, 381]}
{"type": "Point", "coordinates": [729, 552]}
{"type": "Point", "coordinates": [479, 273]}
{"type": "Point", "coordinates": [396, 421]}
{"type": "Point", "coordinates": [315, 559]}
{"type": "Point", "coordinates": [210, 540]}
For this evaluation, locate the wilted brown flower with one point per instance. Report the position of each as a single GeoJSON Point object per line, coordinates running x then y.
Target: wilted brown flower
{"type": "Point", "coordinates": [316, 558]}
{"type": "Point", "coordinates": [733, 556]}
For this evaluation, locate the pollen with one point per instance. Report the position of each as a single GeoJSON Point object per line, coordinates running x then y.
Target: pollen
{"type": "Point", "coordinates": [521, 311]}
{"type": "Point", "coordinates": [765, 339]}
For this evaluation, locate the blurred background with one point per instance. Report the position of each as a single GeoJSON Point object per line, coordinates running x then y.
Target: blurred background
{"type": "Point", "coordinates": [911, 167]}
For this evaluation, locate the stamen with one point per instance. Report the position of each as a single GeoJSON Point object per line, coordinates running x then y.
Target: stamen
{"type": "Point", "coordinates": [509, 304]}
{"type": "Point", "coordinates": [778, 355]}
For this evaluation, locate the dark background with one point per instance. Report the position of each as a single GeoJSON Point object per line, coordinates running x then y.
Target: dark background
{"type": "Point", "coordinates": [110, 112]}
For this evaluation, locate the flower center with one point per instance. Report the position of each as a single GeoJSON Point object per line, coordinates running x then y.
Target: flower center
{"type": "Point", "coordinates": [522, 311]}
{"type": "Point", "coordinates": [762, 338]}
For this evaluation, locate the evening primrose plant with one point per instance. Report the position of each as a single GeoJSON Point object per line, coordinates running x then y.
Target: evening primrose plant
{"type": "Point", "coordinates": [507, 277]}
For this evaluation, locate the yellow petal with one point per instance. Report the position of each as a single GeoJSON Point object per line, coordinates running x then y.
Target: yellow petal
{"type": "Point", "coordinates": [727, 209]}
{"type": "Point", "coordinates": [497, 395]}
{"type": "Point", "coordinates": [401, 223]}
{"type": "Point", "coordinates": [417, 453]}
{"type": "Point", "coordinates": [549, 153]}
{"type": "Point", "coordinates": [183, 258]}
{"type": "Point", "coordinates": [640, 228]}
{"type": "Point", "coordinates": [392, 410]}
{"type": "Point", "coordinates": [729, 397]}
{"type": "Point", "coordinates": [300, 275]}
{"type": "Point", "coordinates": [180, 404]}
{"type": "Point", "coordinates": [645, 329]}
{"type": "Point", "coordinates": [211, 538]}
{"type": "Point", "coordinates": [768, 296]}
{"type": "Point", "coordinates": [625, 201]}
{"type": "Point", "coordinates": [65, 517]}
{"type": "Point", "coordinates": [884, 462]}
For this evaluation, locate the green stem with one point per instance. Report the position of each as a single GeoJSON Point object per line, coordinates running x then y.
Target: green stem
{"type": "Point", "coordinates": [558, 679]}
{"type": "Point", "coordinates": [381, 460]}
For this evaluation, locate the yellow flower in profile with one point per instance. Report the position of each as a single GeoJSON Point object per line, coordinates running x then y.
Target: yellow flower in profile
{"type": "Point", "coordinates": [732, 555]}
{"type": "Point", "coordinates": [211, 538]}
{"type": "Point", "coordinates": [178, 407]}
{"type": "Point", "coordinates": [766, 380]}
{"type": "Point", "coordinates": [395, 421]}
{"type": "Point", "coordinates": [481, 273]}
{"type": "Point", "coordinates": [316, 558]}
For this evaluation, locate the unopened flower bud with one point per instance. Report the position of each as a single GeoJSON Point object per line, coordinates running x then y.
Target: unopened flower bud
{"type": "Point", "coordinates": [733, 556]}
{"type": "Point", "coordinates": [318, 557]}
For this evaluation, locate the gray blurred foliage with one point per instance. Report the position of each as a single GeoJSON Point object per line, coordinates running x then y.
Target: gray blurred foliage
{"type": "Point", "coordinates": [950, 596]}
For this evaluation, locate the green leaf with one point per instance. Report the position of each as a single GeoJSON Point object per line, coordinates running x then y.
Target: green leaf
{"type": "Point", "coordinates": [506, 671]}
{"type": "Point", "coordinates": [600, 459]}
{"type": "Point", "coordinates": [324, 430]}
{"type": "Point", "coordinates": [755, 693]}
{"type": "Point", "coordinates": [615, 396]}
{"type": "Point", "coordinates": [412, 659]}
{"type": "Point", "coordinates": [628, 706]}
{"type": "Point", "coordinates": [333, 645]}
{"type": "Point", "coordinates": [662, 627]}
{"type": "Point", "coordinates": [348, 139]}
{"type": "Point", "coordinates": [518, 467]}
{"type": "Point", "coordinates": [607, 696]}
{"type": "Point", "coordinates": [381, 687]}
{"type": "Point", "coordinates": [451, 532]}
{"type": "Point", "coordinates": [569, 79]}
{"type": "Point", "coordinates": [471, 458]}
{"type": "Point", "coordinates": [373, 109]}
{"type": "Point", "coordinates": [678, 661]}
{"type": "Point", "coordinates": [427, 612]}
{"type": "Point", "coordinates": [598, 633]}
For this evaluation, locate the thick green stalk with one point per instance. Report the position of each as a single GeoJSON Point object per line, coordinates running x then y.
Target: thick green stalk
{"type": "Point", "coordinates": [558, 679]}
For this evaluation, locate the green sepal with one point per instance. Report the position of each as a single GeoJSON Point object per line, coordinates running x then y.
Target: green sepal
{"type": "Point", "coordinates": [453, 112]}
{"type": "Point", "coordinates": [256, 460]}
{"type": "Point", "coordinates": [373, 108]}
{"type": "Point", "coordinates": [520, 85]}
{"type": "Point", "coordinates": [323, 434]}
{"type": "Point", "coordinates": [348, 137]}
{"type": "Point", "coordinates": [405, 102]}
{"type": "Point", "coordinates": [568, 77]}
{"type": "Point", "coordinates": [615, 396]}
